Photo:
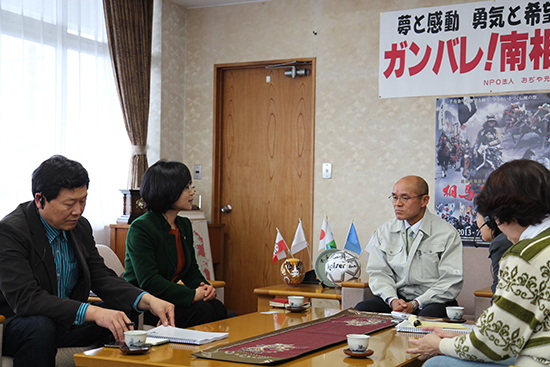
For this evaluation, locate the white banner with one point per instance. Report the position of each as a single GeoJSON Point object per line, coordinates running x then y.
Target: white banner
{"type": "Point", "coordinates": [483, 47]}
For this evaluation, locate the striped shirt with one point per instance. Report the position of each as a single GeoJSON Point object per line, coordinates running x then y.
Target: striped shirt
{"type": "Point", "coordinates": [66, 267]}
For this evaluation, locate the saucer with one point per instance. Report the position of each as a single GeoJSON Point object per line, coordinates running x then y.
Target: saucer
{"type": "Point", "coordinates": [296, 309]}
{"type": "Point", "coordinates": [368, 352]}
{"type": "Point", "coordinates": [446, 319]}
{"type": "Point", "coordinates": [127, 350]}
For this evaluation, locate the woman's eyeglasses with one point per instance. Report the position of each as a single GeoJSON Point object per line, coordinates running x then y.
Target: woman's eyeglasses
{"type": "Point", "coordinates": [487, 223]}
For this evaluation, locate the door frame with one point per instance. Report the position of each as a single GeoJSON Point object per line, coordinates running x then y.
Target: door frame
{"type": "Point", "coordinates": [219, 69]}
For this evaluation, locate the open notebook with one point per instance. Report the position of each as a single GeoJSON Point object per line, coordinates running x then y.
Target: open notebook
{"type": "Point", "coordinates": [184, 336]}
{"type": "Point", "coordinates": [406, 326]}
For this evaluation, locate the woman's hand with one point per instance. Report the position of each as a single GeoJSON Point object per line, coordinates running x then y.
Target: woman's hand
{"type": "Point", "coordinates": [210, 292]}
{"type": "Point", "coordinates": [204, 292]}
{"type": "Point", "coordinates": [427, 346]}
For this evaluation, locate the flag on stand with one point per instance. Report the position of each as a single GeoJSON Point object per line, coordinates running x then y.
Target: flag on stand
{"type": "Point", "coordinates": [280, 247]}
{"type": "Point", "coordinates": [327, 239]}
{"type": "Point", "coordinates": [352, 242]}
{"type": "Point", "coordinates": [299, 243]}
{"type": "Point", "coordinates": [369, 244]}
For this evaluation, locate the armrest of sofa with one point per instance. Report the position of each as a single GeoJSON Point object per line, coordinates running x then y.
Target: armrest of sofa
{"type": "Point", "coordinates": [354, 291]}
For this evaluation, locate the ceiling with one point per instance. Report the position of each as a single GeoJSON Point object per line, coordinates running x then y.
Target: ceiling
{"type": "Point", "coordinates": [207, 3]}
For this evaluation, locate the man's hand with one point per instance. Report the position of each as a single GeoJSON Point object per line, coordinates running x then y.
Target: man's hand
{"type": "Point", "coordinates": [427, 346]}
{"type": "Point", "coordinates": [400, 305]}
{"type": "Point", "coordinates": [110, 319]}
{"type": "Point", "coordinates": [162, 309]}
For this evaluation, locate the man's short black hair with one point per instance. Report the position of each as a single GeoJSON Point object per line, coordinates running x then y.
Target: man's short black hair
{"type": "Point", "coordinates": [163, 183]}
{"type": "Point", "coordinates": [518, 191]}
{"type": "Point", "coordinates": [56, 173]}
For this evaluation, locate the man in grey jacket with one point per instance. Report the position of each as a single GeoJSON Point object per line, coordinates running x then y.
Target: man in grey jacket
{"type": "Point", "coordinates": [49, 263]}
{"type": "Point", "coordinates": [415, 263]}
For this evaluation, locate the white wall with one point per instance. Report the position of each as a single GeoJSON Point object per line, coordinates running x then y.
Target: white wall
{"type": "Point", "coordinates": [371, 142]}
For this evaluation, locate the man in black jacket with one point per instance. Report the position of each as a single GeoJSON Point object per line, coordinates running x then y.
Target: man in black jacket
{"type": "Point", "coordinates": [49, 263]}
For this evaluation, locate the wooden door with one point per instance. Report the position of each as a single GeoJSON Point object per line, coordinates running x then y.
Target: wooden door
{"type": "Point", "coordinates": [263, 169]}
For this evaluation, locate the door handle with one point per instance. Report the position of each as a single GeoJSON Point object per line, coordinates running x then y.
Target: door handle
{"type": "Point", "coordinates": [226, 209]}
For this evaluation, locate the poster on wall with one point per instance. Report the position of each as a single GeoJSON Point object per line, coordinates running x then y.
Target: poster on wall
{"type": "Point", "coordinates": [479, 47]}
{"type": "Point", "coordinates": [474, 136]}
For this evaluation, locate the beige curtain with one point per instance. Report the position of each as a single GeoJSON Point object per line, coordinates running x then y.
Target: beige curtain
{"type": "Point", "coordinates": [129, 29]}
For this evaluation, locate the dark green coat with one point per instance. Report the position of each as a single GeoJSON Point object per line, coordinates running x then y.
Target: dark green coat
{"type": "Point", "coordinates": [152, 259]}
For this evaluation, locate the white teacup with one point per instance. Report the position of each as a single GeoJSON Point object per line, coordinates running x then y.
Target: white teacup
{"type": "Point", "coordinates": [135, 338]}
{"type": "Point", "coordinates": [358, 343]}
{"type": "Point", "coordinates": [455, 313]}
{"type": "Point", "coordinates": [295, 301]}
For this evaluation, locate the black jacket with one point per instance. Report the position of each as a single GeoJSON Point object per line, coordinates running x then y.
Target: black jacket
{"type": "Point", "coordinates": [28, 279]}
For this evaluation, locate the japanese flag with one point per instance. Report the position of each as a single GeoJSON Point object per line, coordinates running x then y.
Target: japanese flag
{"type": "Point", "coordinates": [326, 239]}
{"type": "Point", "coordinates": [280, 247]}
{"type": "Point", "coordinates": [299, 243]}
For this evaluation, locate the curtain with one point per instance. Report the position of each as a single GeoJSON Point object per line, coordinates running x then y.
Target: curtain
{"type": "Point", "coordinates": [58, 96]}
{"type": "Point", "coordinates": [130, 31]}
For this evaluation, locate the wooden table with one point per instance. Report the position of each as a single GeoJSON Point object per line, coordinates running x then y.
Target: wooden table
{"type": "Point", "coordinates": [266, 294]}
{"type": "Point", "coordinates": [389, 348]}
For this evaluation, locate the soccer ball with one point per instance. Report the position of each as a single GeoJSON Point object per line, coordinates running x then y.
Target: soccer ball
{"type": "Point", "coordinates": [342, 266]}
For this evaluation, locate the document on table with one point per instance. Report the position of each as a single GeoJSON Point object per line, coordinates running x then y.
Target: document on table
{"type": "Point", "coordinates": [406, 326]}
{"type": "Point", "coordinates": [185, 336]}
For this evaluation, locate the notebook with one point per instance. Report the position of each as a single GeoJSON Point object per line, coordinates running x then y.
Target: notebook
{"type": "Point", "coordinates": [184, 336]}
{"type": "Point", "coordinates": [406, 326]}
{"type": "Point", "coordinates": [156, 341]}
{"type": "Point", "coordinates": [278, 302]}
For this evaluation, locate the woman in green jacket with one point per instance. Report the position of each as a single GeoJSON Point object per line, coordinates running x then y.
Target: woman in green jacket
{"type": "Point", "coordinates": [160, 252]}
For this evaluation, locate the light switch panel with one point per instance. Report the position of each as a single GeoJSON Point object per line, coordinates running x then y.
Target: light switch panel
{"type": "Point", "coordinates": [197, 172]}
{"type": "Point", "coordinates": [327, 170]}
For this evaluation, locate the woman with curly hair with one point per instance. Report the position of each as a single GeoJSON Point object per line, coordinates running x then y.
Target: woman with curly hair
{"type": "Point", "coordinates": [516, 197]}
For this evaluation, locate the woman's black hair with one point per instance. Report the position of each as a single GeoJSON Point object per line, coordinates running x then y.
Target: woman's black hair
{"type": "Point", "coordinates": [56, 173]}
{"type": "Point", "coordinates": [163, 183]}
{"type": "Point", "coordinates": [518, 191]}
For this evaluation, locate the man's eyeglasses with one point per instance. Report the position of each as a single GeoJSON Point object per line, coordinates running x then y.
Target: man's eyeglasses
{"type": "Point", "coordinates": [403, 199]}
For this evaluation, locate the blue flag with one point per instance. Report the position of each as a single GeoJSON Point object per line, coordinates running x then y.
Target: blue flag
{"type": "Point", "coordinates": [352, 242]}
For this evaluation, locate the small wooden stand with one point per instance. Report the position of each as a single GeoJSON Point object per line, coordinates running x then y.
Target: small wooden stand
{"type": "Point", "coordinates": [132, 206]}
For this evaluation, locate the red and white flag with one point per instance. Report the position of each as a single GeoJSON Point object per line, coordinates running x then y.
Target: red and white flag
{"type": "Point", "coordinates": [280, 247]}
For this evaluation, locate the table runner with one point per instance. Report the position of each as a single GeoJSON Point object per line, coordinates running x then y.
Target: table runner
{"type": "Point", "coordinates": [285, 344]}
